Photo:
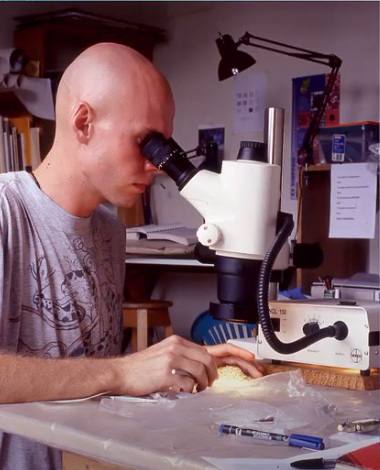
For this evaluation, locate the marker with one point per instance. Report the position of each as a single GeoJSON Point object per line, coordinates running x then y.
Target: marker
{"type": "Point", "coordinates": [314, 464]}
{"type": "Point", "coordinates": [294, 440]}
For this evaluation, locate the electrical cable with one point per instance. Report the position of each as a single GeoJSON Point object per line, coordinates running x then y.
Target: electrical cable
{"type": "Point", "coordinates": [263, 299]}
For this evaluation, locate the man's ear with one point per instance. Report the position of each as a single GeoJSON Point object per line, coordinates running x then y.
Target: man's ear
{"type": "Point", "coordinates": [83, 122]}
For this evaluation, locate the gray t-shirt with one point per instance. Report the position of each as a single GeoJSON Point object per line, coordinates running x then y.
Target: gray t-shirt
{"type": "Point", "coordinates": [61, 284]}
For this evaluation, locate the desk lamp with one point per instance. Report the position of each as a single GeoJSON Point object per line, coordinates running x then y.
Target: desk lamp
{"type": "Point", "coordinates": [234, 61]}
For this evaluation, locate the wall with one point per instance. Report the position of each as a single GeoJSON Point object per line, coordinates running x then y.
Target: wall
{"type": "Point", "coordinates": [190, 60]}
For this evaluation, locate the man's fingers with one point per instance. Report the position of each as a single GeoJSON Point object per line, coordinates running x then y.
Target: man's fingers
{"type": "Point", "coordinates": [249, 368]}
{"type": "Point", "coordinates": [181, 384]}
{"type": "Point", "coordinates": [231, 354]}
{"type": "Point", "coordinates": [221, 350]}
{"type": "Point", "coordinates": [194, 359]}
{"type": "Point", "coordinates": [178, 353]}
{"type": "Point", "coordinates": [203, 375]}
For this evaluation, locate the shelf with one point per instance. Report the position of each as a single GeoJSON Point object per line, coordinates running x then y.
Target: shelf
{"type": "Point", "coordinates": [343, 257]}
{"type": "Point", "coordinates": [321, 167]}
{"type": "Point", "coordinates": [10, 105]}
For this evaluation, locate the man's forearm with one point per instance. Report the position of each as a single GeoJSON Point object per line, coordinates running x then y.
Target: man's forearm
{"type": "Point", "coordinates": [25, 379]}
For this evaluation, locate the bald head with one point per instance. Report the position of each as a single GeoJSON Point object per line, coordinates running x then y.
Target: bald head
{"type": "Point", "coordinates": [109, 100]}
{"type": "Point", "coordinates": [108, 77]}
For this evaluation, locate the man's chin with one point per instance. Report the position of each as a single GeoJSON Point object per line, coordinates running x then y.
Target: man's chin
{"type": "Point", "coordinates": [129, 202]}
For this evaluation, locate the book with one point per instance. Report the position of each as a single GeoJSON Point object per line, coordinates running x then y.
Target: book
{"type": "Point", "coordinates": [8, 155]}
{"type": "Point", "coordinates": [3, 162]}
{"type": "Point", "coordinates": [11, 161]}
{"type": "Point", "coordinates": [177, 233]}
{"type": "Point", "coordinates": [35, 147]}
{"type": "Point", "coordinates": [23, 126]}
{"type": "Point", "coordinates": [144, 247]}
{"type": "Point", "coordinates": [16, 153]}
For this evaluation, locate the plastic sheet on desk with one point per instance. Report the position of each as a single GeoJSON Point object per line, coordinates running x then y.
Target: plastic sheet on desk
{"type": "Point", "coordinates": [284, 396]}
{"type": "Point", "coordinates": [288, 392]}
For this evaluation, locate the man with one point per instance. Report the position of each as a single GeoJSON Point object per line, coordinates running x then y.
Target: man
{"type": "Point", "coordinates": [62, 254]}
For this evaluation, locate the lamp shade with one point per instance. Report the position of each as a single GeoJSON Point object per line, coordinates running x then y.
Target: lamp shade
{"type": "Point", "coordinates": [232, 61]}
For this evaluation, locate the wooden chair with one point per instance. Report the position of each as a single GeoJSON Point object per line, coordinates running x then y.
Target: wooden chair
{"type": "Point", "coordinates": [140, 316]}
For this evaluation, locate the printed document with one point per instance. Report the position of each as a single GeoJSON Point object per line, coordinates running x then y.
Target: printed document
{"type": "Point", "coordinates": [249, 102]}
{"type": "Point", "coordinates": [353, 200]}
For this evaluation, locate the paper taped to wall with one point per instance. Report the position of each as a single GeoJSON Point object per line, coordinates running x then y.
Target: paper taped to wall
{"type": "Point", "coordinates": [249, 102]}
{"type": "Point", "coordinates": [353, 200]}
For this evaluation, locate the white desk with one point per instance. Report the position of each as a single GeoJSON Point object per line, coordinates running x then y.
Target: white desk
{"type": "Point", "coordinates": [141, 441]}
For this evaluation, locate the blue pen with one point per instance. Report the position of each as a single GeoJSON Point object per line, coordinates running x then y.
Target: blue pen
{"type": "Point", "coordinates": [294, 440]}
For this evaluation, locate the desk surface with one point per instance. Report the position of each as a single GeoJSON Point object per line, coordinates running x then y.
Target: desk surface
{"type": "Point", "coordinates": [140, 439]}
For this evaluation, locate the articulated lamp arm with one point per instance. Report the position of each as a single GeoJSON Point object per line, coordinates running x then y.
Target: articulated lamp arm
{"type": "Point", "coordinates": [234, 61]}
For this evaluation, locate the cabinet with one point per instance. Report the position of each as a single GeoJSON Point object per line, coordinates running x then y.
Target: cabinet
{"type": "Point", "coordinates": [10, 105]}
{"type": "Point", "coordinates": [54, 39]}
{"type": "Point", "coordinates": [342, 257]}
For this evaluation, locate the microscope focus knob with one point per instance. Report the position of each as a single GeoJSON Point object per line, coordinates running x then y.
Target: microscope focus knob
{"type": "Point", "coordinates": [209, 234]}
{"type": "Point", "coordinates": [309, 328]}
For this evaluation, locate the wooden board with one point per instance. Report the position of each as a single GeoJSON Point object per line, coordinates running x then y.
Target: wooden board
{"type": "Point", "coordinates": [329, 376]}
{"type": "Point", "coordinates": [343, 257]}
{"type": "Point", "coordinates": [77, 462]}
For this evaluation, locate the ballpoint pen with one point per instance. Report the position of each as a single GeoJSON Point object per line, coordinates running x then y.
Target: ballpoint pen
{"type": "Point", "coordinates": [294, 440]}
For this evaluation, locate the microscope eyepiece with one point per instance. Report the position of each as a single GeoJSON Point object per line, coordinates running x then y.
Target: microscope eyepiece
{"type": "Point", "coordinates": [169, 157]}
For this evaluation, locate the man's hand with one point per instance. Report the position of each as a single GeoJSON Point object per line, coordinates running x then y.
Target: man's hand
{"type": "Point", "coordinates": [153, 369]}
{"type": "Point", "coordinates": [230, 354]}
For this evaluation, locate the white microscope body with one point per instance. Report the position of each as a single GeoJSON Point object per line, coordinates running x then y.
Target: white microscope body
{"type": "Point", "coordinates": [241, 211]}
{"type": "Point", "coordinates": [240, 201]}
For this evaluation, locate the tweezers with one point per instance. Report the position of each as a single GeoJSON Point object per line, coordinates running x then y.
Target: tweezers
{"type": "Point", "coordinates": [360, 425]}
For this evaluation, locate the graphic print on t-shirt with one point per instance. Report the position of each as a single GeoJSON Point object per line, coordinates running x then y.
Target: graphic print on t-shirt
{"type": "Point", "coordinates": [79, 303]}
